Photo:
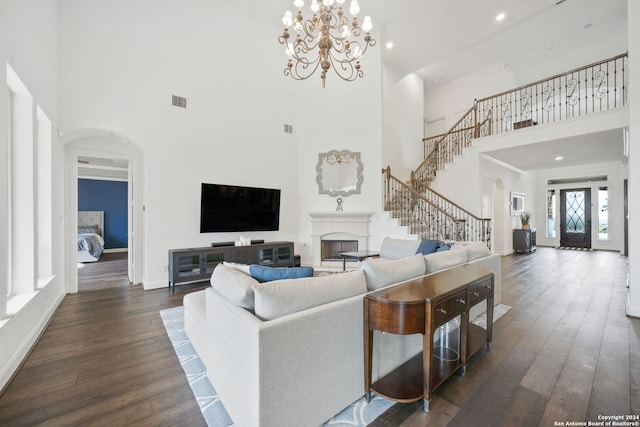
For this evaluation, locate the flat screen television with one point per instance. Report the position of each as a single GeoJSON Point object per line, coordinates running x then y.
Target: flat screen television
{"type": "Point", "coordinates": [226, 208]}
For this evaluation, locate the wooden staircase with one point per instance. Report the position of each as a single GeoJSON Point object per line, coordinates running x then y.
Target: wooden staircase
{"type": "Point", "coordinates": [594, 88]}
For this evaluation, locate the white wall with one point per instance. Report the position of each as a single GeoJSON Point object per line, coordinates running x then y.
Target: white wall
{"type": "Point", "coordinates": [28, 42]}
{"type": "Point", "coordinates": [633, 305]}
{"type": "Point", "coordinates": [122, 61]}
{"type": "Point", "coordinates": [402, 147]}
{"type": "Point", "coordinates": [449, 101]}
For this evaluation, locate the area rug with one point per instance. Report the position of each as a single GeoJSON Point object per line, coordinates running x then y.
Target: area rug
{"type": "Point", "coordinates": [498, 311]}
{"type": "Point", "coordinates": [360, 413]}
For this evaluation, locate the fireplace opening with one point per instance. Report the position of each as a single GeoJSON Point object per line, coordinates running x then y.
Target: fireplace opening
{"type": "Point", "coordinates": [330, 249]}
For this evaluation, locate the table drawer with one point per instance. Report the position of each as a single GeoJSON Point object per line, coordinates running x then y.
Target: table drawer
{"type": "Point", "coordinates": [450, 308]}
{"type": "Point", "coordinates": [480, 291]}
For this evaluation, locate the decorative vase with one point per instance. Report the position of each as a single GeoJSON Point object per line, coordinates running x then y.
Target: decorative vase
{"type": "Point", "coordinates": [525, 226]}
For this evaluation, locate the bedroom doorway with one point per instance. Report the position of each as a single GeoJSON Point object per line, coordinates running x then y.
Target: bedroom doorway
{"type": "Point", "coordinates": [103, 192]}
{"type": "Point", "coordinates": [82, 150]}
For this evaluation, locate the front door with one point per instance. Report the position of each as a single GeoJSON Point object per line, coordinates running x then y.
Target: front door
{"type": "Point", "coordinates": [575, 215]}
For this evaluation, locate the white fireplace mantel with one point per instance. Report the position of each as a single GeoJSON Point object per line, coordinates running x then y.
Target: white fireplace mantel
{"type": "Point", "coordinates": [338, 226]}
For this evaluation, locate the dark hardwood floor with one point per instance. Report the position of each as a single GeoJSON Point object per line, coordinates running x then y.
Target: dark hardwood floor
{"type": "Point", "coordinates": [104, 360]}
{"type": "Point", "coordinates": [565, 352]}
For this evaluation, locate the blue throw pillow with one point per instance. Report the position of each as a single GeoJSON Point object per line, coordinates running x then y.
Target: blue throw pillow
{"type": "Point", "coordinates": [267, 274]}
{"type": "Point", "coordinates": [427, 246]}
{"type": "Point", "coordinates": [444, 246]}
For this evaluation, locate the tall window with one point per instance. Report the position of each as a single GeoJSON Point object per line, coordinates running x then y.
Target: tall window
{"type": "Point", "coordinates": [7, 212]}
{"type": "Point", "coordinates": [603, 213]}
{"type": "Point", "coordinates": [20, 195]}
{"type": "Point", "coordinates": [44, 229]}
{"type": "Point", "coordinates": [551, 213]}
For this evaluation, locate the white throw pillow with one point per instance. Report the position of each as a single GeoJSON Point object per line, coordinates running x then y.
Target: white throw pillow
{"type": "Point", "coordinates": [398, 248]}
{"type": "Point", "coordinates": [242, 267]}
{"type": "Point", "coordinates": [441, 260]}
{"type": "Point", "coordinates": [383, 272]}
{"type": "Point", "coordinates": [281, 297]}
{"type": "Point", "coordinates": [234, 285]}
{"type": "Point", "coordinates": [476, 250]}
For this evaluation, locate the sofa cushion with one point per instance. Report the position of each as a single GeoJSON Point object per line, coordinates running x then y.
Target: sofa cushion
{"type": "Point", "coordinates": [427, 246]}
{"type": "Point", "coordinates": [383, 272]}
{"type": "Point", "coordinates": [445, 259]}
{"type": "Point", "coordinates": [475, 250]}
{"type": "Point", "coordinates": [398, 248]}
{"type": "Point", "coordinates": [234, 285]}
{"type": "Point", "coordinates": [281, 297]}
{"type": "Point", "coordinates": [267, 274]}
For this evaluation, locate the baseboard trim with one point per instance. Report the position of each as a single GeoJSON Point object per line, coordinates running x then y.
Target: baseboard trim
{"type": "Point", "coordinates": [27, 346]}
{"type": "Point", "coordinates": [114, 250]}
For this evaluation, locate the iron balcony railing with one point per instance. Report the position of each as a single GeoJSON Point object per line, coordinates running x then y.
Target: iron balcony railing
{"type": "Point", "coordinates": [594, 88]}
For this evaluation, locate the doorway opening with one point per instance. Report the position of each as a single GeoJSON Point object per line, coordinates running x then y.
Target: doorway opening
{"type": "Point", "coordinates": [124, 157]}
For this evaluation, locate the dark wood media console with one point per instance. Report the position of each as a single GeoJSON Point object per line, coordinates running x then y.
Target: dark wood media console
{"type": "Point", "coordinates": [422, 306]}
{"type": "Point", "coordinates": [192, 265]}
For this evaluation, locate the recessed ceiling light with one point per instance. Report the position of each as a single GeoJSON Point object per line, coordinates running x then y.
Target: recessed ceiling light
{"type": "Point", "coordinates": [559, 158]}
{"type": "Point", "coordinates": [500, 16]}
{"type": "Point", "coordinates": [389, 45]}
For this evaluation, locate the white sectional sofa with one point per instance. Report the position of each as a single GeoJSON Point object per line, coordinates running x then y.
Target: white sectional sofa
{"type": "Point", "coordinates": [290, 352]}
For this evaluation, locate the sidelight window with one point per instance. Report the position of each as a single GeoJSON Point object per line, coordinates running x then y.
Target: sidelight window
{"type": "Point", "coordinates": [603, 213]}
{"type": "Point", "coordinates": [551, 213]}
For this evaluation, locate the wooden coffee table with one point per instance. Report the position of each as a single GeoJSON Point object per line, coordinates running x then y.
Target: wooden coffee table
{"type": "Point", "coordinates": [359, 255]}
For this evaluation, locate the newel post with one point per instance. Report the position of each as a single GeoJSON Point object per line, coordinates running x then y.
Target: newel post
{"type": "Point", "coordinates": [387, 181]}
{"type": "Point", "coordinates": [476, 131]}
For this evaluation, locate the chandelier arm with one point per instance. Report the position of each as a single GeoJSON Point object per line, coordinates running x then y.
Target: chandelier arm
{"type": "Point", "coordinates": [301, 70]}
{"type": "Point", "coordinates": [346, 70]}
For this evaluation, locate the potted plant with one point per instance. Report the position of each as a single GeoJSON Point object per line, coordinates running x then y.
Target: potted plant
{"type": "Point", "coordinates": [524, 220]}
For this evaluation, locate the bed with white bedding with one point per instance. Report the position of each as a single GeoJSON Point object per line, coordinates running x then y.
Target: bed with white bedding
{"type": "Point", "coordinates": [90, 235]}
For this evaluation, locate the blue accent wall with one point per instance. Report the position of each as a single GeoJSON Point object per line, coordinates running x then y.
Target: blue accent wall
{"type": "Point", "coordinates": [110, 197]}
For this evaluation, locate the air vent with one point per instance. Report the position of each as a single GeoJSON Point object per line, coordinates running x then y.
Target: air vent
{"type": "Point", "coordinates": [577, 180]}
{"type": "Point", "coordinates": [288, 128]}
{"type": "Point", "coordinates": [178, 101]}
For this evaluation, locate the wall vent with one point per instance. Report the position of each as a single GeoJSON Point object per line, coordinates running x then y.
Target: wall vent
{"type": "Point", "coordinates": [178, 101]}
{"type": "Point", "coordinates": [288, 128]}
{"type": "Point", "coordinates": [577, 180]}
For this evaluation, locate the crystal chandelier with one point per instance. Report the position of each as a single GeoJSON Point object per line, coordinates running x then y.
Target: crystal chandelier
{"type": "Point", "coordinates": [327, 40]}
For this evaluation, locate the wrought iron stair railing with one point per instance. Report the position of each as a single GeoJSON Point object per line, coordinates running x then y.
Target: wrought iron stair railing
{"type": "Point", "coordinates": [424, 217]}
{"type": "Point", "coordinates": [475, 227]}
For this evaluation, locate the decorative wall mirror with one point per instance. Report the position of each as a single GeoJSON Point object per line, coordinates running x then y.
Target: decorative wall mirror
{"type": "Point", "coordinates": [517, 203]}
{"type": "Point", "coordinates": [339, 173]}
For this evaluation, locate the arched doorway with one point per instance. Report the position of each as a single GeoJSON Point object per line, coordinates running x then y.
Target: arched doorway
{"type": "Point", "coordinates": [106, 145]}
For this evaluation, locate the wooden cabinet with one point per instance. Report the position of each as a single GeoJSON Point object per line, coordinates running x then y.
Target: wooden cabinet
{"type": "Point", "coordinates": [421, 306]}
{"type": "Point", "coordinates": [192, 265]}
{"type": "Point", "coordinates": [524, 240]}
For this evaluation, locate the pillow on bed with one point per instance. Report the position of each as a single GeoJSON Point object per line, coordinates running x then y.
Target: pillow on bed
{"type": "Point", "coordinates": [89, 229]}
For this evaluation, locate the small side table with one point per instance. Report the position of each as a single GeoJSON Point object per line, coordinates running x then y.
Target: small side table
{"type": "Point", "coordinates": [359, 255]}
